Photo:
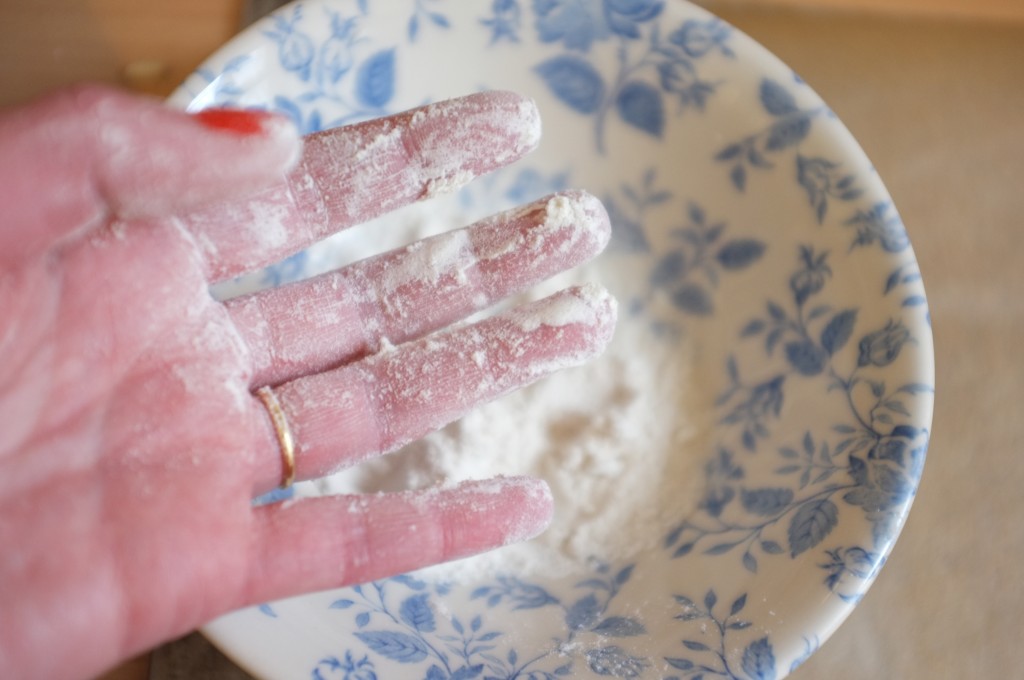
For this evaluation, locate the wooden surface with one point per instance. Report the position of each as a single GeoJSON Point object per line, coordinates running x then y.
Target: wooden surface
{"type": "Point", "coordinates": [150, 45]}
{"type": "Point", "coordinates": [971, 10]}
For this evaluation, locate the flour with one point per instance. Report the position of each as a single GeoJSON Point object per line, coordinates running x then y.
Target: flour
{"type": "Point", "coordinates": [614, 438]}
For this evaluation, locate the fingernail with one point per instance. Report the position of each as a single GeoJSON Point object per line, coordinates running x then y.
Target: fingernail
{"type": "Point", "coordinates": [238, 121]}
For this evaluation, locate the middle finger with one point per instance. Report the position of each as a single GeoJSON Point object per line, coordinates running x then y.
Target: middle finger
{"type": "Point", "coordinates": [343, 315]}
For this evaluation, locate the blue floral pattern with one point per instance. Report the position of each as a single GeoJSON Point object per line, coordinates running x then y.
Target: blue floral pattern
{"type": "Point", "coordinates": [643, 54]}
{"type": "Point", "coordinates": [765, 243]}
{"type": "Point", "coordinates": [875, 454]}
{"type": "Point", "coordinates": [397, 620]}
{"type": "Point", "coordinates": [687, 272]}
{"type": "Point", "coordinates": [707, 653]}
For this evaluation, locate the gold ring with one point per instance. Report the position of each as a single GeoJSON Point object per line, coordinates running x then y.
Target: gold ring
{"type": "Point", "coordinates": [284, 434]}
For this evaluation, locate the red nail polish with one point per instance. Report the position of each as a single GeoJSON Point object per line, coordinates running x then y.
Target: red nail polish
{"type": "Point", "coordinates": [239, 121]}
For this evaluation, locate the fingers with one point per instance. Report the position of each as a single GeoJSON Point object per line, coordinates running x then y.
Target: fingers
{"type": "Point", "coordinates": [88, 153]}
{"type": "Point", "coordinates": [320, 543]}
{"type": "Point", "coordinates": [376, 405]}
{"type": "Point", "coordinates": [352, 174]}
{"type": "Point", "coordinates": [339, 317]}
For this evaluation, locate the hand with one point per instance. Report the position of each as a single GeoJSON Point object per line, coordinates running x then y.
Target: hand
{"type": "Point", "coordinates": [132, 443]}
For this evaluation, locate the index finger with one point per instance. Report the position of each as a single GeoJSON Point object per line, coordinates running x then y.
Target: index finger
{"type": "Point", "coordinates": [352, 174]}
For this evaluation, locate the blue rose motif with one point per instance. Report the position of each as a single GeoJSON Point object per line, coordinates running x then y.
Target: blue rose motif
{"type": "Point", "coordinates": [580, 23]}
{"type": "Point", "coordinates": [696, 38]}
{"type": "Point", "coordinates": [883, 485]}
{"type": "Point", "coordinates": [679, 77]}
{"type": "Point", "coordinates": [849, 569]}
{"type": "Point", "coordinates": [881, 347]}
{"type": "Point", "coordinates": [336, 56]}
{"type": "Point", "coordinates": [815, 175]}
{"type": "Point", "coordinates": [905, 446]}
{"type": "Point", "coordinates": [858, 562]}
{"type": "Point", "coordinates": [811, 277]}
{"type": "Point", "coordinates": [504, 24]}
{"type": "Point", "coordinates": [877, 224]}
{"type": "Point", "coordinates": [721, 472]}
{"type": "Point", "coordinates": [295, 49]}
{"type": "Point", "coordinates": [576, 23]}
{"type": "Point", "coordinates": [887, 476]}
{"type": "Point", "coordinates": [625, 16]}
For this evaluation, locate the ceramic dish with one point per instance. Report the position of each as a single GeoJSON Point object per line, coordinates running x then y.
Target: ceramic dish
{"type": "Point", "coordinates": [768, 247]}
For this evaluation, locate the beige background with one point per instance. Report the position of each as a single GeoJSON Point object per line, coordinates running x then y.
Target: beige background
{"type": "Point", "coordinates": [937, 101]}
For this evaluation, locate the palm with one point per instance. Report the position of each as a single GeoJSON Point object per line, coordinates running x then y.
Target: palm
{"type": "Point", "coordinates": [132, 444]}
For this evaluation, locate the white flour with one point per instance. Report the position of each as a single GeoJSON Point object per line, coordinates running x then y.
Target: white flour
{"type": "Point", "coordinates": [613, 439]}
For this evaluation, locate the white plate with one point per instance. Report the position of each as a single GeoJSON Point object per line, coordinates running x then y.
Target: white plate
{"type": "Point", "coordinates": [769, 254]}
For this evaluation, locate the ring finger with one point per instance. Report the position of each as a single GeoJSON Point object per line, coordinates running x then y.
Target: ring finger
{"type": "Point", "coordinates": [342, 416]}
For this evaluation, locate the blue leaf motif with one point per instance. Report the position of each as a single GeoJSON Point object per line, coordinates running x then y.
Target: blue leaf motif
{"type": "Point", "coordinates": [375, 79]}
{"type": "Point", "coordinates": [738, 604]}
{"type": "Point", "coordinates": [681, 664]}
{"type": "Point", "coordinates": [341, 604]}
{"type": "Point", "coordinates": [776, 99]}
{"type": "Point", "coordinates": [410, 582]}
{"type": "Point", "coordinates": [893, 280]}
{"type": "Point", "coordinates": [806, 357]}
{"type": "Point", "coordinates": [838, 330]}
{"type": "Point", "coordinates": [811, 524]}
{"type": "Point", "coordinates": [624, 574]}
{"type": "Point", "coordinates": [467, 672]}
{"type": "Point", "coordinates": [692, 299]}
{"type": "Point", "coordinates": [738, 176]}
{"type": "Point", "coordinates": [755, 327]}
{"type": "Point", "coordinates": [766, 502]}
{"type": "Point", "coordinates": [394, 645]}
{"type": "Point", "coordinates": [574, 81]}
{"type": "Point", "coordinates": [362, 619]}
{"type": "Point", "coordinates": [759, 660]}
{"type": "Point", "coordinates": [641, 105]}
{"type": "Point", "coordinates": [416, 612]}
{"type": "Point", "coordinates": [583, 612]}
{"type": "Point", "coordinates": [435, 672]}
{"type": "Point", "coordinates": [528, 596]}
{"type": "Point", "coordinates": [619, 626]}
{"type": "Point", "coordinates": [669, 268]}
{"type": "Point", "coordinates": [740, 253]}
{"type": "Point", "coordinates": [788, 132]}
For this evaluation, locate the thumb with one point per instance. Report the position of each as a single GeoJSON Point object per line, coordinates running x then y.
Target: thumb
{"type": "Point", "coordinates": [72, 160]}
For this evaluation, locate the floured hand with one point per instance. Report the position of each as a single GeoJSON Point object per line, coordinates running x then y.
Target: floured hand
{"type": "Point", "coordinates": [132, 443]}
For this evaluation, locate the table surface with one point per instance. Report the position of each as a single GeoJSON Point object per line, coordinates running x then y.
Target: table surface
{"type": "Point", "coordinates": [939, 107]}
